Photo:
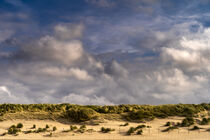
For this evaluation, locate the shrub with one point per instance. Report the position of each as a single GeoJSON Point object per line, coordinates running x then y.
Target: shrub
{"type": "Point", "coordinates": [205, 121]}
{"type": "Point", "coordinates": [27, 132]}
{"type": "Point", "coordinates": [41, 130]}
{"type": "Point", "coordinates": [170, 128]}
{"type": "Point", "coordinates": [168, 124]}
{"type": "Point", "coordinates": [195, 128]}
{"type": "Point", "coordinates": [19, 125]}
{"type": "Point", "coordinates": [188, 121]}
{"type": "Point", "coordinates": [140, 127]}
{"type": "Point", "coordinates": [130, 131]}
{"type": "Point", "coordinates": [106, 130]}
{"type": "Point", "coordinates": [3, 134]}
{"type": "Point", "coordinates": [47, 126]}
{"type": "Point", "coordinates": [126, 124]}
{"type": "Point", "coordinates": [80, 114]}
{"type": "Point", "coordinates": [13, 130]}
{"type": "Point", "coordinates": [83, 127]}
{"type": "Point", "coordinates": [72, 127]}
{"type": "Point", "coordinates": [34, 126]}
{"type": "Point", "coordinates": [139, 132]}
{"type": "Point", "coordinates": [54, 128]}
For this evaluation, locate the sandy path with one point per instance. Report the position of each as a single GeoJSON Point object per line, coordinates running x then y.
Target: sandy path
{"type": "Point", "coordinates": [153, 133]}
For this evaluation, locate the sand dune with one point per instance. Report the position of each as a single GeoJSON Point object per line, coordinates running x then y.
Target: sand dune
{"type": "Point", "coordinates": [153, 133]}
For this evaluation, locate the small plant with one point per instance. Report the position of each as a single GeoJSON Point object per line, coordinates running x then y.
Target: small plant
{"type": "Point", "coordinates": [195, 128]}
{"type": "Point", "coordinates": [27, 132]}
{"type": "Point", "coordinates": [126, 124]}
{"type": "Point", "coordinates": [205, 121]}
{"type": "Point", "coordinates": [168, 124]}
{"type": "Point", "coordinates": [47, 126]}
{"type": "Point", "coordinates": [81, 130]}
{"type": "Point", "coordinates": [19, 125]}
{"type": "Point", "coordinates": [140, 126]}
{"type": "Point", "coordinates": [83, 127]}
{"type": "Point", "coordinates": [72, 127]}
{"type": "Point", "coordinates": [34, 126]}
{"type": "Point", "coordinates": [40, 130]}
{"type": "Point", "coordinates": [170, 128]}
{"type": "Point", "coordinates": [187, 122]}
{"type": "Point", "coordinates": [130, 131]}
{"type": "Point", "coordinates": [50, 135]}
{"type": "Point", "coordinates": [139, 132]}
{"type": "Point", "coordinates": [13, 130]}
{"type": "Point", "coordinates": [54, 128]}
{"type": "Point", "coordinates": [106, 130]}
{"type": "Point", "coordinates": [3, 134]}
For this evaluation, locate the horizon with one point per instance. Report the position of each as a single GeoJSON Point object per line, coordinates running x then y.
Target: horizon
{"type": "Point", "coordinates": [104, 52]}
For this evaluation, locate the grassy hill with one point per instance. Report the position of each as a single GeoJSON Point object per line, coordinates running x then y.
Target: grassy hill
{"type": "Point", "coordinates": [79, 113]}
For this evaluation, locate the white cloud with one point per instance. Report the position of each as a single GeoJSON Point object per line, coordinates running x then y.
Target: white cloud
{"type": "Point", "coordinates": [81, 99]}
{"type": "Point", "coordinates": [4, 89]}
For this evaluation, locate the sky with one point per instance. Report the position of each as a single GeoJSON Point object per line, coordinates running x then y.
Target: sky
{"type": "Point", "coordinates": [105, 52]}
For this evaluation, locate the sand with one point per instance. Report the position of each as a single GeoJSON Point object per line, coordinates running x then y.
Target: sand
{"type": "Point", "coordinates": [153, 133]}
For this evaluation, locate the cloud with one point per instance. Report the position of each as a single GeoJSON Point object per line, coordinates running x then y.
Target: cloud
{"type": "Point", "coordinates": [101, 3]}
{"type": "Point", "coordinates": [81, 99]}
{"type": "Point", "coordinates": [50, 49]}
{"type": "Point", "coordinates": [4, 89]}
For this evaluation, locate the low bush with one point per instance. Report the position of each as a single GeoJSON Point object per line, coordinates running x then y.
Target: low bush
{"type": "Point", "coordinates": [170, 128]}
{"type": "Point", "coordinates": [126, 124]}
{"type": "Point", "coordinates": [140, 127]}
{"type": "Point", "coordinates": [130, 131]}
{"type": "Point", "coordinates": [54, 128]}
{"type": "Point", "coordinates": [80, 114]}
{"type": "Point", "coordinates": [188, 121]}
{"type": "Point", "coordinates": [47, 126]}
{"type": "Point", "coordinates": [83, 127]}
{"type": "Point", "coordinates": [168, 124]}
{"type": "Point", "coordinates": [27, 132]}
{"type": "Point", "coordinates": [139, 132]}
{"type": "Point", "coordinates": [195, 128]}
{"type": "Point", "coordinates": [106, 130]}
{"type": "Point", "coordinates": [72, 127]}
{"type": "Point", "coordinates": [34, 126]}
{"type": "Point", "coordinates": [40, 130]}
{"type": "Point", "coordinates": [19, 125]}
{"type": "Point", "coordinates": [13, 130]}
{"type": "Point", "coordinates": [205, 121]}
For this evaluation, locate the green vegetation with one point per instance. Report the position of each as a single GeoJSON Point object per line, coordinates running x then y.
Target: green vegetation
{"type": "Point", "coordinates": [19, 125]}
{"type": "Point", "coordinates": [72, 127]}
{"type": "Point", "coordinates": [195, 128]}
{"type": "Point", "coordinates": [188, 121]}
{"type": "Point", "coordinates": [168, 124]}
{"type": "Point", "coordinates": [106, 130]}
{"type": "Point", "coordinates": [13, 130]}
{"type": "Point", "coordinates": [140, 127]}
{"type": "Point", "coordinates": [170, 128]}
{"type": "Point", "coordinates": [34, 126]}
{"type": "Point", "coordinates": [83, 127]}
{"type": "Point", "coordinates": [78, 113]}
{"type": "Point", "coordinates": [27, 132]}
{"type": "Point", "coordinates": [54, 128]}
{"type": "Point", "coordinates": [47, 126]}
{"type": "Point", "coordinates": [126, 124]}
{"type": "Point", "coordinates": [130, 131]}
{"type": "Point", "coordinates": [139, 130]}
{"type": "Point", "coordinates": [205, 121]}
{"type": "Point", "coordinates": [40, 130]}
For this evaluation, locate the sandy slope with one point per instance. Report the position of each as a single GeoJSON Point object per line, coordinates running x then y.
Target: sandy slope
{"type": "Point", "coordinates": [153, 133]}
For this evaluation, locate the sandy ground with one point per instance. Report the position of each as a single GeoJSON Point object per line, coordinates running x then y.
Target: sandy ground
{"type": "Point", "coordinates": [153, 133]}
